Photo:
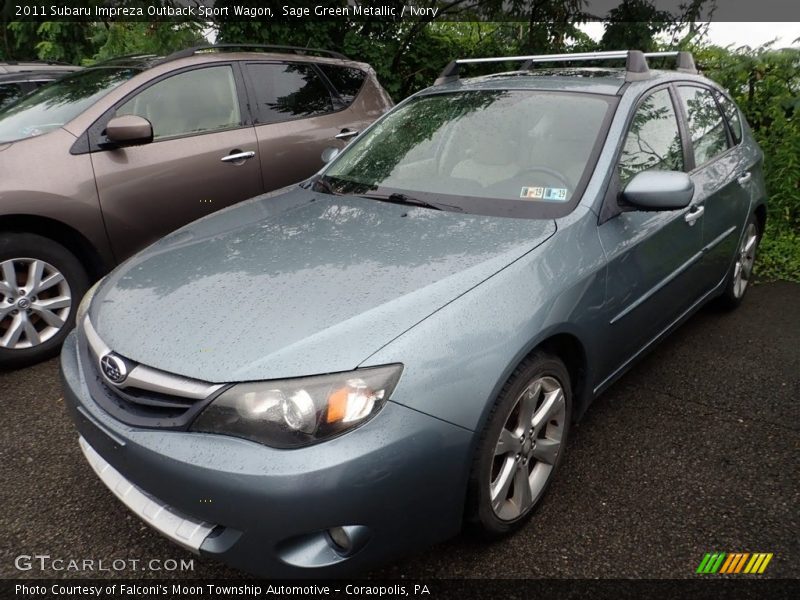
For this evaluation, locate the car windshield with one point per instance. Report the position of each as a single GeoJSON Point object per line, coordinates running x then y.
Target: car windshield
{"type": "Point", "coordinates": [55, 104]}
{"type": "Point", "coordinates": [496, 152]}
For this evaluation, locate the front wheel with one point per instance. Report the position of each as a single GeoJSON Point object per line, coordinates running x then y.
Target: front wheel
{"type": "Point", "coordinates": [41, 284]}
{"type": "Point", "coordinates": [521, 447]}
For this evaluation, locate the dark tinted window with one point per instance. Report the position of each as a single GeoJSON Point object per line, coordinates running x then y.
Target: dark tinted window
{"type": "Point", "coordinates": [653, 141]}
{"type": "Point", "coordinates": [346, 80]}
{"type": "Point", "coordinates": [287, 91]}
{"type": "Point", "coordinates": [732, 114]}
{"type": "Point", "coordinates": [706, 128]}
{"type": "Point", "coordinates": [9, 92]}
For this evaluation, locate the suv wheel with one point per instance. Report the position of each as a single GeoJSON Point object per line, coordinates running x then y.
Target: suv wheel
{"type": "Point", "coordinates": [41, 284]}
{"type": "Point", "coordinates": [742, 269]}
{"type": "Point", "coordinates": [521, 447]}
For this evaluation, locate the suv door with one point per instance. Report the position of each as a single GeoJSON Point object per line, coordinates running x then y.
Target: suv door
{"type": "Point", "coordinates": [721, 176]}
{"type": "Point", "coordinates": [199, 119]}
{"type": "Point", "coordinates": [296, 118]}
{"type": "Point", "coordinates": [653, 258]}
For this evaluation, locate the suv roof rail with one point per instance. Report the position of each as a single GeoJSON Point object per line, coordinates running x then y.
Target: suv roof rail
{"type": "Point", "coordinates": [288, 49]}
{"type": "Point", "coordinates": [635, 62]}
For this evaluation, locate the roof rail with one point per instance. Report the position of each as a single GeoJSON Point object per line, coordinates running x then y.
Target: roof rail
{"type": "Point", "coordinates": [635, 62]}
{"type": "Point", "coordinates": [35, 62]}
{"type": "Point", "coordinates": [289, 49]}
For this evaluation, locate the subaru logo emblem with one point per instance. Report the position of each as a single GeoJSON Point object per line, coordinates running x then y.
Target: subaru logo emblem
{"type": "Point", "coordinates": [113, 368]}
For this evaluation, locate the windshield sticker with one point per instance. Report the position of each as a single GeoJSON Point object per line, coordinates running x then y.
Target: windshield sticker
{"type": "Point", "coordinates": [544, 193]}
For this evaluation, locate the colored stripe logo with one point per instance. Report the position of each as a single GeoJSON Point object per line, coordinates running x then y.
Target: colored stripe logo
{"type": "Point", "coordinates": [734, 562]}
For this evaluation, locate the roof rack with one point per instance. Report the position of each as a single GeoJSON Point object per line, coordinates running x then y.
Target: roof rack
{"type": "Point", "coordinates": [289, 49]}
{"type": "Point", "coordinates": [635, 62]}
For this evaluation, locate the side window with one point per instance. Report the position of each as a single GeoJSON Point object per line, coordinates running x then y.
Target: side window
{"type": "Point", "coordinates": [732, 114]}
{"type": "Point", "coordinates": [706, 128]}
{"type": "Point", "coordinates": [653, 141]}
{"type": "Point", "coordinates": [287, 91]}
{"type": "Point", "coordinates": [346, 80]}
{"type": "Point", "coordinates": [9, 92]}
{"type": "Point", "coordinates": [195, 101]}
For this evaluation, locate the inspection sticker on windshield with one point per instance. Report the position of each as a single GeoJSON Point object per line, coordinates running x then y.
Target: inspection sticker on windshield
{"type": "Point", "coordinates": [544, 193]}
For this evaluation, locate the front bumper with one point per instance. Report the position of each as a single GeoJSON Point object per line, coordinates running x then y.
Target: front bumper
{"type": "Point", "coordinates": [398, 481]}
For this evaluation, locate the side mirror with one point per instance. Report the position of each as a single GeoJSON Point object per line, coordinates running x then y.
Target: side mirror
{"type": "Point", "coordinates": [329, 154]}
{"type": "Point", "coordinates": [659, 190]}
{"type": "Point", "coordinates": [129, 130]}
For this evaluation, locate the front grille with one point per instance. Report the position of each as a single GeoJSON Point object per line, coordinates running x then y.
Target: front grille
{"type": "Point", "coordinates": [147, 397]}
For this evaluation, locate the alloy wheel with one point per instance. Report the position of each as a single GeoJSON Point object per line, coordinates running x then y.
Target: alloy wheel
{"type": "Point", "coordinates": [527, 448]}
{"type": "Point", "coordinates": [35, 301]}
{"type": "Point", "coordinates": [745, 260]}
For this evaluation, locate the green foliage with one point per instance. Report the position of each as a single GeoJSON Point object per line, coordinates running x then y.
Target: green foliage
{"type": "Point", "coordinates": [765, 83]}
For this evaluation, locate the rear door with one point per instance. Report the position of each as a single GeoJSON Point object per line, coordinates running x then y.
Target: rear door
{"type": "Point", "coordinates": [199, 121]}
{"type": "Point", "coordinates": [653, 257]}
{"type": "Point", "coordinates": [722, 176]}
{"type": "Point", "coordinates": [297, 116]}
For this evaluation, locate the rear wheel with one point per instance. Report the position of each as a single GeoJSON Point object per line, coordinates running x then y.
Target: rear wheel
{"type": "Point", "coordinates": [742, 269]}
{"type": "Point", "coordinates": [41, 284]}
{"type": "Point", "coordinates": [521, 446]}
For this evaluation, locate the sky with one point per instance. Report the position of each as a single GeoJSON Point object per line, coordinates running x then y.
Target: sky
{"type": "Point", "coordinates": [736, 33]}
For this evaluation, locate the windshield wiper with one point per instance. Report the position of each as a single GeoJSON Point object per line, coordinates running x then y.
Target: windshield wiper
{"type": "Point", "coordinates": [398, 198]}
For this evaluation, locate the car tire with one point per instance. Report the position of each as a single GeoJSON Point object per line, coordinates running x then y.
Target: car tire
{"type": "Point", "coordinates": [41, 285]}
{"type": "Point", "coordinates": [738, 279]}
{"type": "Point", "coordinates": [525, 435]}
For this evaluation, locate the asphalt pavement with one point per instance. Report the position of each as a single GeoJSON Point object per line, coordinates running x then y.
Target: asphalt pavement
{"type": "Point", "coordinates": [694, 450]}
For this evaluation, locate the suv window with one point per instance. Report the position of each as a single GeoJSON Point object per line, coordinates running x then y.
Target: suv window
{"type": "Point", "coordinates": [194, 101]}
{"type": "Point", "coordinates": [346, 80]}
{"type": "Point", "coordinates": [653, 141]}
{"type": "Point", "coordinates": [9, 92]}
{"type": "Point", "coordinates": [706, 127]}
{"type": "Point", "coordinates": [732, 114]}
{"type": "Point", "coordinates": [287, 91]}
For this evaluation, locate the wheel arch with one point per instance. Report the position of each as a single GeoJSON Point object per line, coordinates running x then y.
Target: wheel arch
{"type": "Point", "coordinates": [95, 264]}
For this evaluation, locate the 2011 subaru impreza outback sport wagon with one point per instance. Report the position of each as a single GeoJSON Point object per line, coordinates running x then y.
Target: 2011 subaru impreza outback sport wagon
{"type": "Point", "coordinates": [322, 378]}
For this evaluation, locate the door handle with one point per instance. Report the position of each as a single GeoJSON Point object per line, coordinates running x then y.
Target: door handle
{"type": "Point", "coordinates": [346, 134]}
{"type": "Point", "coordinates": [744, 178]}
{"type": "Point", "coordinates": [237, 156]}
{"type": "Point", "coordinates": [695, 213]}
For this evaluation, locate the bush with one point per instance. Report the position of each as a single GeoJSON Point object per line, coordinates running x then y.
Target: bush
{"type": "Point", "coordinates": [766, 84]}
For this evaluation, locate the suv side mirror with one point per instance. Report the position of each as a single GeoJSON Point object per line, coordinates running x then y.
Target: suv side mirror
{"type": "Point", "coordinates": [129, 130]}
{"type": "Point", "coordinates": [659, 190]}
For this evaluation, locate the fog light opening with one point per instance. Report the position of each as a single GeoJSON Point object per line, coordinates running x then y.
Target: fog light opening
{"type": "Point", "coordinates": [340, 540]}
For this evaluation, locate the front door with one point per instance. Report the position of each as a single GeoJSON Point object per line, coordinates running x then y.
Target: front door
{"type": "Point", "coordinates": [185, 172]}
{"type": "Point", "coordinates": [653, 258]}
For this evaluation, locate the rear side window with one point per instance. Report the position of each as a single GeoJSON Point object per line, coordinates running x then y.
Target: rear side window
{"type": "Point", "coordinates": [346, 80]}
{"type": "Point", "coordinates": [706, 127]}
{"type": "Point", "coordinates": [287, 91]}
{"type": "Point", "coordinates": [197, 101]}
{"type": "Point", "coordinates": [653, 141]}
{"type": "Point", "coordinates": [732, 114]}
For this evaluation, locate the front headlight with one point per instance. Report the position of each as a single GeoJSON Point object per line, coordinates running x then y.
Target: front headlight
{"type": "Point", "coordinates": [296, 412]}
{"type": "Point", "coordinates": [86, 302]}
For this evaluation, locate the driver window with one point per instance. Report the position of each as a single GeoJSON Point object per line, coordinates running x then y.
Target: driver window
{"type": "Point", "coordinates": [192, 102]}
{"type": "Point", "coordinates": [653, 141]}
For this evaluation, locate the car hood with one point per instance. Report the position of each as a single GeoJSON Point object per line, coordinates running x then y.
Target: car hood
{"type": "Point", "coordinates": [298, 283]}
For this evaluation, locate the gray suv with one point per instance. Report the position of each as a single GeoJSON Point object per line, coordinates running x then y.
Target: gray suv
{"type": "Point", "coordinates": [107, 160]}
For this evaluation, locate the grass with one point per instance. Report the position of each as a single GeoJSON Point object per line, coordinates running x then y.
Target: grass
{"type": "Point", "coordinates": [778, 254]}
